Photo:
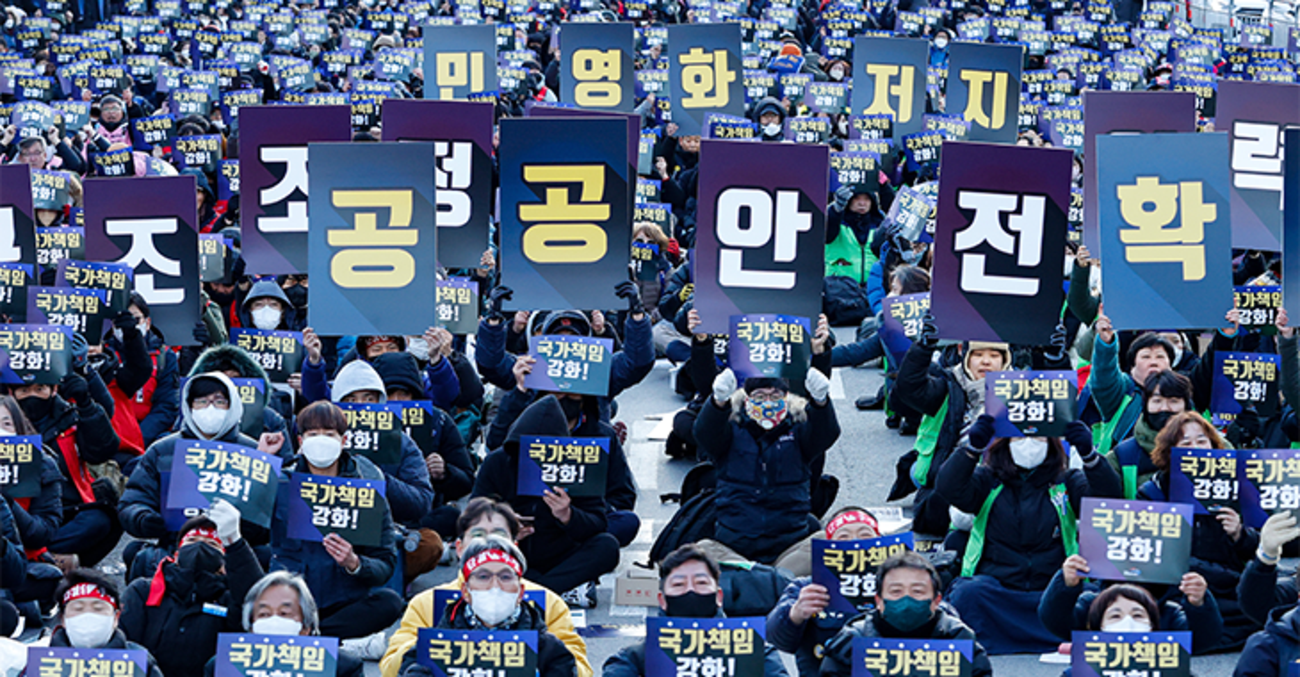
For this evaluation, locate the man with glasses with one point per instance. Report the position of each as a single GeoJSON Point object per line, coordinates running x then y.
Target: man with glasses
{"type": "Point", "coordinates": [483, 518]}
{"type": "Point", "coordinates": [210, 410]}
{"type": "Point", "coordinates": [492, 598]}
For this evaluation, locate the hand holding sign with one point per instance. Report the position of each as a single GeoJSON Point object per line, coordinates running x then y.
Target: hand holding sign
{"type": "Point", "coordinates": [561, 505]}
{"type": "Point", "coordinates": [813, 599]}
{"type": "Point", "coordinates": [1074, 570]}
{"type": "Point", "coordinates": [1279, 530]}
{"type": "Point", "coordinates": [341, 551]}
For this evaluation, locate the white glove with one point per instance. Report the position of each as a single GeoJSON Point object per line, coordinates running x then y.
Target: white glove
{"type": "Point", "coordinates": [818, 385]}
{"type": "Point", "coordinates": [226, 517]}
{"type": "Point", "coordinates": [724, 385]}
{"type": "Point", "coordinates": [1279, 530]}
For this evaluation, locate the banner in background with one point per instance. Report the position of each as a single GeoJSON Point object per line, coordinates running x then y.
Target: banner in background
{"type": "Point", "coordinates": [597, 71]}
{"type": "Point", "coordinates": [889, 80]}
{"type": "Point", "coordinates": [1254, 115]}
{"type": "Point", "coordinates": [984, 88]}
{"type": "Point", "coordinates": [459, 61]}
{"type": "Point", "coordinates": [705, 70]}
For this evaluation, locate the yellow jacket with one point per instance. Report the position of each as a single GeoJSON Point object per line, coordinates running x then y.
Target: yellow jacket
{"type": "Point", "coordinates": [419, 614]}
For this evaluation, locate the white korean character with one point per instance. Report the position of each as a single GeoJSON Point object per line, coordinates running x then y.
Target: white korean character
{"type": "Point", "coordinates": [1257, 156]}
{"type": "Point", "coordinates": [778, 221]}
{"type": "Point", "coordinates": [294, 158]}
{"type": "Point", "coordinates": [452, 165]}
{"type": "Point", "coordinates": [142, 250]}
{"type": "Point", "coordinates": [986, 227]}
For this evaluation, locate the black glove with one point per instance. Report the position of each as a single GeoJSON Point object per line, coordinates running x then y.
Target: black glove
{"type": "Point", "coordinates": [980, 433]}
{"type": "Point", "coordinates": [80, 351]}
{"type": "Point", "coordinates": [499, 295]}
{"type": "Point", "coordinates": [201, 334]}
{"type": "Point", "coordinates": [74, 388]}
{"type": "Point", "coordinates": [927, 339]}
{"type": "Point", "coordinates": [1244, 429]}
{"type": "Point", "coordinates": [125, 320]}
{"type": "Point", "coordinates": [1080, 438]}
{"type": "Point", "coordinates": [627, 290]}
{"type": "Point", "coordinates": [1055, 352]}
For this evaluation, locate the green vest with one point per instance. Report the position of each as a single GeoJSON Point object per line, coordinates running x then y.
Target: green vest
{"type": "Point", "coordinates": [1060, 501]}
{"type": "Point", "coordinates": [927, 438]}
{"type": "Point", "coordinates": [847, 257]}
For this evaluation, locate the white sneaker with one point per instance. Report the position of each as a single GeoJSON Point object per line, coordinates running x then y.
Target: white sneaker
{"type": "Point", "coordinates": [369, 648]}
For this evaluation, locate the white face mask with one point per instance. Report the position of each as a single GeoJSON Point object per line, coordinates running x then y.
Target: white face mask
{"type": "Point", "coordinates": [266, 318]}
{"type": "Point", "coordinates": [209, 419]}
{"type": "Point", "coordinates": [837, 74]}
{"type": "Point", "coordinates": [1028, 452]}
{"type": "Point", "coordinates": [89, 630]}
{"type": "Point", "coordinates": [276, 625]}
{"type": "Point", "coordinates": [418, 347]}
{"type": "Point", "coordinates": [493, 606]}
{"type": "Point", "coordinates": [941, 42]}
{"type": "Point", "coordinates": [321, 451]}
{"type": "Point", "coordinates": [772, 129]}
{"type": "Point", "coordinates": [1127, 624]}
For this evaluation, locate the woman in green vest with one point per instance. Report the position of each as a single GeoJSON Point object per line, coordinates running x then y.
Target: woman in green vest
{"type": "Point", "coordinates": [1025, 499]}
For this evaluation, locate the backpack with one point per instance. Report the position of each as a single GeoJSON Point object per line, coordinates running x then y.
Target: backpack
{"type": "Point", "coordinates": [844, 301]}
{"type": "Point", "coordinates": [695, 519]}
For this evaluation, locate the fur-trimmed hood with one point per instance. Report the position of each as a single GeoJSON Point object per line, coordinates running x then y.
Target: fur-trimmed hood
{"type": "Point", "coordinates": [228, 356]}
{"type": "Point", "coordinates": [796, 408]}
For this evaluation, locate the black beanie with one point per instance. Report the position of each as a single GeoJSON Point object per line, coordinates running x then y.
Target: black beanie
{"type": "Point", "coordinates": [400, 370]}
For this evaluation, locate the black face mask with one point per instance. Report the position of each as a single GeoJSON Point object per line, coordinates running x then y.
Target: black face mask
{"type": "Point", "coordinates": [297, 296]}
{"type": "Point", "coordinates": [36, 408]}
{"type": "Point", "coordinates": [200, 557]}
{"type": "Point", "coordinates": [1158, 419]}
{"type": "Point", "coordinates": [572, 408]}
{"type": "Point", "coordinates": [692, 605]}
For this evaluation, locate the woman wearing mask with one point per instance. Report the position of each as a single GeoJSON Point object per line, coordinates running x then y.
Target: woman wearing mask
{"type": "Point", "coordinates": [838, 70]}
{"type": "Point", "coordinates": [1221, 543]}
{"type": "Point", "coordinates": [194, 594]}
{"type": "Point", "coordinates": [347, 578]}
{"type": "Point", "coordinates": [492, 598]}
{"type": "Point", "coordinates": [89, 610]}
{"type": "Point", "coordinates": [1025, 499]}
{"type": "Point", "coordinates": [282, 604]}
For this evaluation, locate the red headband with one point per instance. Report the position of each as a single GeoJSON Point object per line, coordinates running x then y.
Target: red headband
{"type": "Point", "coordinates": [205, 532]}
{"type": "Point", "coordinates": [498, 556]}
{"type": "Point", "coordinates": [851, 517]}
{"type": "Point", "coordinates": [84, 590]}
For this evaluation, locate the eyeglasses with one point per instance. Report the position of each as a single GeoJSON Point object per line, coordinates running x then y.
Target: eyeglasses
{"type": "Point", "coordinates": [482, 578]}
{"type": "Point", "coordinates": [210, 401]}
{"type": "Point", "coordinates": [32, 155]}
{"type": "Point", "coordinates": [480, 532]}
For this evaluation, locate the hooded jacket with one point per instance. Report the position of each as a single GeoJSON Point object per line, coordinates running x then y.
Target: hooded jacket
{"type": "Point", "coordinates": [553, 658]}
{"type": "Point", "coordinates": [289, 320]}
{"type": "Point", "coordinates": [227, 355]}
{"type": "Point", "coordinates": [409, 490]}
{"type": "Point", "coordinates": [181, 629]}
{"type": "Point", "coordinates": [140, 508]}
{"type": "Point", "coordinates": [329, 582]}
{"type": "Point", "coordinates": [839, 651]}
{"type": "Point", "coordinates": [552, 542]}
{"type": "Point", "coordinates": [764, 491]}
{"type": "Point", "coordinates": [1269, 651]}
{"type": "Point", "coordinates": [440, 385]}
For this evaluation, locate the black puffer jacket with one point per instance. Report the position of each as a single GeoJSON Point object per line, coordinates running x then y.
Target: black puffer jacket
{"type": "Point", "coordinates": [96, 440]}
{"type": "Point", "coordinates": [839, 651]}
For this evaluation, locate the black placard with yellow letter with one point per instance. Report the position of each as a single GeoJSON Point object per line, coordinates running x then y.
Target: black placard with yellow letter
{"type": "Point", "coordinates": [984, 88]}
{"type": "Point", "coordinates": [459, 61]}
{"type": "Point", "coordinates": [889, 78]}
{"type": "Point", "coordinates": [706, 74]}
{"type": "Point", "coordinates": [597, 72]}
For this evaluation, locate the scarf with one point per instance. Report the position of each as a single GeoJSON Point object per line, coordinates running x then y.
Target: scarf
{"type": "Point", "coordinates": [974, 389]}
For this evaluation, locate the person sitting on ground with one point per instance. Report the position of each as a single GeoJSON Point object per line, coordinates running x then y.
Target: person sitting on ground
{"type": "Point", "coordinates": [90, 609]}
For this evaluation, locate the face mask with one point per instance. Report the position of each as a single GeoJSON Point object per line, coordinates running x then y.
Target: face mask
{"type": "Point", "coordinates": [297, 296]}
{"type": "Point", "coordinates": [321, 451]}
{"type": "Point", "coordinates": [772, 129]}
{"type": "Point", "coordinates": [843, 126]}
{"type": "Point", "coordinates": [572, 408]}
{"type": "Point", "coordinates": [36, 408]}
{"type": "Point", "coordinates": [89, 630]}
{"type": "Point", "coordinates": [1178, 355]}
{"type": "Point", "coordinates": [767, 414]}
{"type": "Point", "coordinates": [209, 420]}
{"type": "Point", "coordinates": [118, 334]}
{"type": "Point", "coordinates": [911, 256]}
{"type": "Point", "coordinates": [493, 606]}
{"type": "Point", "coordinates": [1127, 624]}
{"type": "Point", "coordinates": [941, 43]}
{"type": "Point", "coordinates": [200, 557]}
{"type": "Point", "coordinates": [907, 613]}
{"type": "Point", "coordinates": [266, 318]}
{"type": "Point", "coordinates": [1028, 452]}
{"type": "Point", "coordinates": [837, 74]}
{"type": "Point", "coordinates": [418, 348]}
{"type": "Point", "coordinates": [276, 625]}
{"type": "Point", "coordinates": [692, 605]}
{"type": "Point", "coordinates": [1158, 419]}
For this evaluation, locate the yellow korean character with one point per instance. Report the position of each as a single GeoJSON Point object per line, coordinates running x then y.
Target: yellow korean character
{"type": "Point", "coordinates": [513, 654]}
{"type": "Point", "coordinates": [487, 653]}
{"type": "Point", "coordinates": [695, 643]}
{"type": "Point", "coordinates": [289, 654]}
{"type": "Point", "coordinates": [123, 668]}
{"type": "Point", "coordinates": [1148, 240]}
{"type": "Point", "coordinates": [583, 216]}
{"type": "Point", "coordinates": [1143, 653]}
{"type": "Point", "coordinates": [591, 454]}
{"type": "Point", "coordinates": [537, 451]}
{"type": "Point", "coordinates": [1103, 519]}
{"type": "Point", "coordinates": [366, 497]}
{"type": "Point", "coordinates": [1096, 653]}
{"type": "Point", "coordinates": [877, 661]}
{"type": "Point", "coordinates": [743, 640]}
{"type": "Point", "coordinates": [241, 653]}
{"type": "Point", "coordinates": [1171, 525]}
{"type": "Point", "coordinates": [1147, 521]}
{"type": "Point", "coordinates": [1168, 655]}
{"type": "Point", "coordinates": [706, 77]}
{"type": "Point", "coordinates": [949, 663]}
{"type": "Point", "coordinates": [597, 72]}
{"type": "Point", "coordinates": [371, 256]}
{"type": "Point", "coordinates": [51, 667]}
{"type": "Point", "coordinates": [196, 457]}
{"type": "Point", "coordinates": [241, 463]}
{"type": "Point", "coordinates": [670, 640]}
{"type": "Point", "coordinates": [719, 639]}
{"type": "Point", "coordinates": [440, 650]}
{"type": "Point", "coordinates": [308, 491]}
{"type": "Point", "coordinates": [458, 69]}
{"type": "Point", "coordinates": [925, 661]}
{"type": "Point", "coordinates": [833, 559]}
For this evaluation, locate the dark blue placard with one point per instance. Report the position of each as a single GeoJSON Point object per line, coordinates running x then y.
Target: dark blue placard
{"type": "Point", "coordinates": [436, 649]}
{"type": "Point", "coordinates": [1204, 478]}
{"type": "Point", "coordinates": [1099, 654]}
{"type": "Point", "coordinates": [1135, 541]}
{"type": "Point", "coordinates": [72, 662]}
{"type": "Point", "coordinates": [1244, 380]}
{"type": "Point", "coordinates": [203, 471]}
{"type": "Point", "coordinates": [579, 465]}
{"type": "Point", "coordinates": [671, 641]}
{"type": "Point", "coordinates": [1031, 403]}
{"type": "Point", "coordinates": [245, 654]}
{"type": "Point", "coordinates": [1268, 481]}
{"type": "Point", "coordinates": [903, 318]}
{"type": "Point", "coordinates": [879, 656]}
{"type": "Point", "coordinates": [847, 569]}
{"type": "Point", "coordinates": [770, 346]}
{"type": "Point", "coordinates": [318, 505]}
{"type": "Point", "coordinates": [21, 459]}
{"type": "Point", "coordinates": [570, 364]}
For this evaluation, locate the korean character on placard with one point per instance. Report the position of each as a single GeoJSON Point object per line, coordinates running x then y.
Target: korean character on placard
{"type": "Point", "coordinates": [1148, 206]}
{"type": "Point", "coordinates": [576, 225]}
{"type": "Point", "coordinates": [459, 69]}
{"type": "Point", "coordinates": [670, 640]}
{"type": "Point", "coordinates": [371, 256]}
{"type": "Point", "coordinates": [453, 164]}
{"type": "Point", "coordinates": [770, 218]}
{"type": "Point", "coordinates": [143, 250]}
{"type": "Point", "coordinates": [597, 73]}
{"type": "Point", "coordinates": [1025, 221]}
{"type": "Point", "coordinates": [1257, 156]}
{"type": "Point", "coordinates": [706, 77]}
{"type": "Point", "coordinates": [892, 94]}
{"type": "Point", "coordinates": [976, 80]}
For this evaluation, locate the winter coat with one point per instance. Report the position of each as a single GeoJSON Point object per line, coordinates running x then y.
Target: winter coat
{"type": "Point", "coordinates": [13, 561]}
{"type": "Point", "coordinates": [1261, 590]}
{"type": "Point", "coordinates": [553, 658]}
{"type": "Point", "coordinates": [331, 584]}
{"type": "Point", "coordinates": [277, 402]}
{"type": "Point", "coordinates": [620, 486]}
{"type": "Point", "coordinates": [923, 387]}
{"type": "Point", "coordinates": [181, 630]}
{"type": "Point", "coordinates": [839, 651]}
{"type": "Point", "coordinates": [552, 541]}
{"type": "Point", "coordinates": [59, 639]}
{"type": "Point", "coordinates": [630, 662]}
{"type": "Point", "coordinates": [1215, 555]}
{"type": "Point", "coordinates": [1063, 610]}
{"type": "Point", "coordinates": [141, 505]}
{"type": "Point", "coordinates": [1269, 651]}
{"type": "Point", "coordinates": [1023, 544]}
{"type": "Point", "coordinates": [142, 359]}
{"type": "Point", "coordinates": [806, 642]}
{"type": "Point", "coordinates": [41, 519]}
{"type": "Point", "coordinates": [289, 320]}
{"type": "Point", "coordinates": [96, 441]}
{"type": "Point", "coordinates": [440, 383]}
{"type": "Point", "coordinates": [764, 494]}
